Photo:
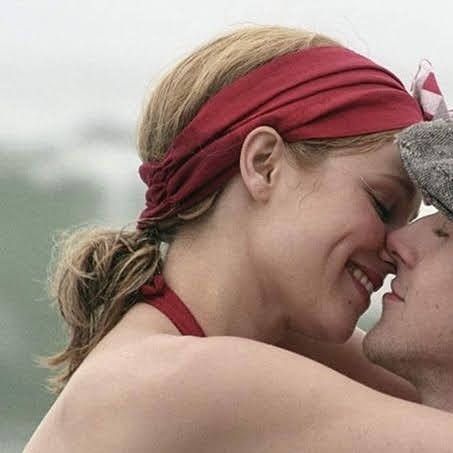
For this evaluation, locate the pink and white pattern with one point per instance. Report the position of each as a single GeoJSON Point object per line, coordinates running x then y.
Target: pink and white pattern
{"type": "Point", "coordinates": [427, 92]}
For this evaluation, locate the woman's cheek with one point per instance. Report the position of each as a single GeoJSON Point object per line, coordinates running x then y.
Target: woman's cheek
{"type": "Point", "coordinates": [370, 227]}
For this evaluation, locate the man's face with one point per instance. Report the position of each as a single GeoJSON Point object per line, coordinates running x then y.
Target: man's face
{"type": "Point", "coordinates": [416, 326]}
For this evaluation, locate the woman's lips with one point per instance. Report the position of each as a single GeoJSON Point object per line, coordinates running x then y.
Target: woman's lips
{"type": "Point", "coordinates": [364, 295]}
{"type": "Point", "coordinates": [376, 278]}
{"type": "Point", "coordinates": [373, 282]}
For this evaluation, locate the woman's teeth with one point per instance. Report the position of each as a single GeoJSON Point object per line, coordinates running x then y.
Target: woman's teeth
{"type": "Point", "coordinates": [361, 277]}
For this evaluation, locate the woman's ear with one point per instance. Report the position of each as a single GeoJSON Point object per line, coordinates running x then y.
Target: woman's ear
{"type": "Point", "coordinates": [261, 161]}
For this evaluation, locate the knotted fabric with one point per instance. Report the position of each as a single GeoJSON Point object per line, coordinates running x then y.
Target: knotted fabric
{"type": "Point", "coordinates": [427, 154]}
{"type": "Point", "coordinates": [158, 294]}
{"type": "Point", "coordinates": [321, 92]}
{"type": "Point", "coordinates": [427, 92]}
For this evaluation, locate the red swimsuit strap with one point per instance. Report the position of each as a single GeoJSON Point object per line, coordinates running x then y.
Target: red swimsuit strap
{"type": "Point", "coordinates": [160, 295]}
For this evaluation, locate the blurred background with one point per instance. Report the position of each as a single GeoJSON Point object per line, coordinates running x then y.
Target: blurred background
{"type": "Point", "coordinates": [73, 76]}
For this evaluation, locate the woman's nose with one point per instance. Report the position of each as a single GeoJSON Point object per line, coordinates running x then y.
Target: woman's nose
{"type": "Point", "coordinates": [399, 247]}
{"type": "Point", "coordinates": [388, 259]}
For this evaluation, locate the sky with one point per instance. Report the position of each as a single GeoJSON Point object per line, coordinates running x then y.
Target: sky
{"type": "Point", "coordinates": [67, 63]}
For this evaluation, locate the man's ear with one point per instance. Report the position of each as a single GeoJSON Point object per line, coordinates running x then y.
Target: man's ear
{"type": "Point", "coordinates": [260, 162]}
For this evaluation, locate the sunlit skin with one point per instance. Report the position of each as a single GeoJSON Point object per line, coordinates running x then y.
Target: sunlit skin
{"type": "Point", "coordinates": [341, 221]}
{"type": "Point", "coordinates": [273, 254]}
{"type": "Point", "coordinates": [284, 239]}
{"type": "Point", "coordinates": [414, 336]}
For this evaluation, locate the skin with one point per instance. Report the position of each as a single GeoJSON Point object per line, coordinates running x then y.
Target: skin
{"type": "Point", "coordinates": [414, 336]}
{"type": "Point", "coordinates": [235, 390]}
{"type": "Point", "coordinates": [241, 247]}
{"type": "Point", "coordinates": [349, 359]}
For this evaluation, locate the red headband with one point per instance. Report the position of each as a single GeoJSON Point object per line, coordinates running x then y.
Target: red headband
{"type": "Point", "coordinates": [321, 92]}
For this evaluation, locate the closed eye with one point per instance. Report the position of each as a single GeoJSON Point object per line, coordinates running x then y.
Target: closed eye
{"type": "Point", "coordinates": [383, 212]}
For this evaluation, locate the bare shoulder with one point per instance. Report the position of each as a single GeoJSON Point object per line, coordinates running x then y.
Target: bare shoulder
{"type": "Point", "coordinates": [349, 359]}
{"type": "Point", "coordinates": [222, 394]}
{"type": "Point", "coordinates": [233, 394]}
{"type": "Point", "coordinates": [167, 393]}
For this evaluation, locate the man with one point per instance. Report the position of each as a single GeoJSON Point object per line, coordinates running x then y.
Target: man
{"type": "Point", "coordinates": [414, 336]}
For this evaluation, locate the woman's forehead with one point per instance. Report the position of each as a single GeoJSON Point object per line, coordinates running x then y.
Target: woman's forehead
{"type": "Point", "coordinates": [384, 162]}
{"type": "Point", "coordinates": [385, 158]}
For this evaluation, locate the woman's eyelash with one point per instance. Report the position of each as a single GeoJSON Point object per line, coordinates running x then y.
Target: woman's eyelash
{"type": "Point", "coordinates": [382, 210]}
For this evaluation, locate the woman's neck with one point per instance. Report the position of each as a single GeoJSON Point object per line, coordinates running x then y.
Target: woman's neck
{"type": "Point", "coordinates": [216, 280]}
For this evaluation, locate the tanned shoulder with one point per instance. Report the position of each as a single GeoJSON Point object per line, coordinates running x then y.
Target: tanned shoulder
{"type": "Point", "coordinates": [240, 395]}
{"type": "Point", "coordinates": [222, 394]}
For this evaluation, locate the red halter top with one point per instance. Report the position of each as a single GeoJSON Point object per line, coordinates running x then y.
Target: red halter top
{"type": "Point", "coordinates": [158, 294]}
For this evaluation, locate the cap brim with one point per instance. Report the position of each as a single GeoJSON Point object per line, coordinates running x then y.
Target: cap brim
{"type": "Point", "coordinates": [427, 154]}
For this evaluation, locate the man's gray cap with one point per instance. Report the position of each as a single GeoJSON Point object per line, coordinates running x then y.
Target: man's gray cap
{"type": "Point", "coordinates": [427, 153]}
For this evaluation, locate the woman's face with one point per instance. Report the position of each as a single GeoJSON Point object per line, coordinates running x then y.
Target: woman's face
{"type": "Point", "coordinates": [322, 234]}
{"type": "Point", "coordinates": [416, 326]}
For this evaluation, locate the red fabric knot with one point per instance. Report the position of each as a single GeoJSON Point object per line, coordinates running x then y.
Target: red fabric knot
{"type": "Point", "coordinates": [155, 288]}
{"type": "Point", "coordinates": [428, 94]}
{"type": "Point", "coordinates": [321, 92]}
{"type": "Point", "coordinates": [156, 193]}
{"type": "Point", "coordinates": [154, 175]}
{"type": "Point", "coordinates": [161, 296]}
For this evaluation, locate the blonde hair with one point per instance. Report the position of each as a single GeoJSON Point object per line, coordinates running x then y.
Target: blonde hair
{"type": "Point", "coordinates": [97, 272]}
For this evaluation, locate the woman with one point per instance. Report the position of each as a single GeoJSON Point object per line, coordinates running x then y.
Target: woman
{"type": "Point", "coordinates": [275, 226]}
